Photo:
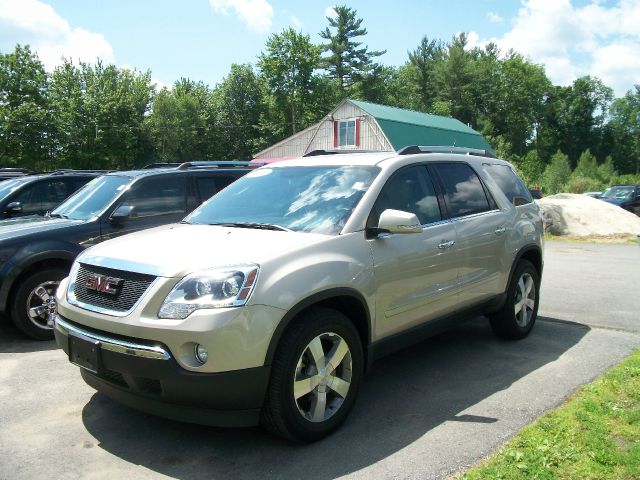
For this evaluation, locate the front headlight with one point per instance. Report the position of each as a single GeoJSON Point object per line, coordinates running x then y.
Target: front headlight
{"type": "Point", "coordinates": [215, 288]}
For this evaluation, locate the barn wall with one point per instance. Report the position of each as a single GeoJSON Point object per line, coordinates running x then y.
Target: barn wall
{"type": "Point", "coordinates": [320, 136]}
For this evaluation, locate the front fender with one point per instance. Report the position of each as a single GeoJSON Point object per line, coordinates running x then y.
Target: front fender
{"type": "Point", "coordinates": [27, 256]}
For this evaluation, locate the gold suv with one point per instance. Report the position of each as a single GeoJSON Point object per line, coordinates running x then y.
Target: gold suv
{"type": "Point", "coordinates": [268, 302]}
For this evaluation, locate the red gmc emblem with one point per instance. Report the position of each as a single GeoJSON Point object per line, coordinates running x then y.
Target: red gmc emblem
{"type": "Point", "coordinates": [102, 283]}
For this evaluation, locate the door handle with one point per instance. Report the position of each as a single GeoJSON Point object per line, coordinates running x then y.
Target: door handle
{"type": "Point", "coordinates": [445, 245]}
{"type": "Point", "coordinates": [500, 230]}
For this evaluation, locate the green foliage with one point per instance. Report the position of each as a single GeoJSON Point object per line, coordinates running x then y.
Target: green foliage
{"type": "Point", "coordinates": [606, 171]}
{"type": "Point", "coordinates": [580, 184]}
{"type": "Point", "coordinates": [24, 110]}
{"type": "Point", "coordinates": [556, 174]}
{"type": "Point", "coordinates": [98, 115]}
{"type": "Point", "coordinates": [625, 130]}
{"type": "Point", "coordinates": [348, 61]}
{"type": "Point", "coordinates": [531, 168]}
{"type": "Point", "coordinates": [237, 109]}
{"type": "Point", "coordinates": [421, 69]}
{"type": "Point", "coordinates": [287, 65]}
{"type": "Point", "coordinates": [587, 166]}
{"type": "Point", "coordinates": [178, 124]}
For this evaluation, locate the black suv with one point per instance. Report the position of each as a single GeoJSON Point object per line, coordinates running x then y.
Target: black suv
{"type": "Point", "coordinates": [37, 252]}
{"type": "Point", "coordinates": [38, 194]}
{"type": "Point", "coordinates": [8, 173]}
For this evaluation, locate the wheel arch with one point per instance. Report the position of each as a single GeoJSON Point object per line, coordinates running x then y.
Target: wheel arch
{"type": "Point", "coordinates": [24, 263]}
{"type": "Point", "coordinates": [345, 300]}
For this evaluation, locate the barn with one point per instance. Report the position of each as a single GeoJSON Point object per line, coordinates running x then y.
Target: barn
{"type": "Point", "coordinates": [357, 125]}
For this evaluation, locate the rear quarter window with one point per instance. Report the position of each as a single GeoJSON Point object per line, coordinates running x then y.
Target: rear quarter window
{"type": "Point", "coordinates": [509, 183]}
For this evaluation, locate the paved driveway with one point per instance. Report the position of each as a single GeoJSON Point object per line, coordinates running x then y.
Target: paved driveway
{"type": "Point", "coordinates": [423, 413]}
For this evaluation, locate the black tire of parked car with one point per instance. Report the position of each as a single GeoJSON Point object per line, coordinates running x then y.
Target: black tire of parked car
{"type": "Point", "coordinates": [281, 414]}
{"type": "Point", "coordinates": [505, 323]}
{"type": "Point", "coordinates": [25, 290]}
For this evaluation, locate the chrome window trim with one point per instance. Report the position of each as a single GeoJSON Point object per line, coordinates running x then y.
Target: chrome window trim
{"type": "Point", "coordinates": [474, 215]}
{"type": "Point", "coordinates": [71, 296]}
{"type": "Point", "coordinates": [155, 352]}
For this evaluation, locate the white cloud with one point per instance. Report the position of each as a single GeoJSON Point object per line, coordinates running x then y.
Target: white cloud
{"type": "Point", "coordinates": [38, 25]}
{"type": "Point", "coordinates": [330, 12]}
{"type": "Point", "coordinates": [493, 17]}
{"type": "Point", "coordinates": [600, 39]}
{"type": "Point", "coordinates": [257, 14]}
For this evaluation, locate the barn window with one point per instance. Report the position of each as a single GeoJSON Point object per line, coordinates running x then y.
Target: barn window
{"type": "Point", "coordinates": [347, 133]}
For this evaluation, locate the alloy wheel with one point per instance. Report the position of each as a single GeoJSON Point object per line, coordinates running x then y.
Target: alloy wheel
{"type": "Point", "coordinates": [41, 305]}
{"type": "Point", "coordinates": [525, 300]}
{"type": "Point", "coordinates": [322, 378]}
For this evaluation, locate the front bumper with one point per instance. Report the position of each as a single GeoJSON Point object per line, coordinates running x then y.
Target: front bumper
{"type": "Point", "coordinates": [145, 376]}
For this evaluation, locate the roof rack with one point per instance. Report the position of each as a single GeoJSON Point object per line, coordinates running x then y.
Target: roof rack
{"type": "Point", "coordinates": [233, 163]}
{"type": "Point", "coordinates": [62, 171]}
{"type": "Point", "coordinates": [413, 149]}
{"type": "Point", "coordinates": [314, 153]}
{"type": "Point", "coordinates": [161, 165]}
{"type": "Point", "coordinates": [15, 170]}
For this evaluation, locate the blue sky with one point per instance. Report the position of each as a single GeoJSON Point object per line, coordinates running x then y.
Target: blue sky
{"type": "Point", "coordinates": [200, 39]}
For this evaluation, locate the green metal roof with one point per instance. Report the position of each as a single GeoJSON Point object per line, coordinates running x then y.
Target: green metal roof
{"type": "Point", "coordinates": [407, 127]}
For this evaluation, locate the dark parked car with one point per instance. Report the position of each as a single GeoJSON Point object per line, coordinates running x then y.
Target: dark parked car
{"type": "Point", "coordinates": [8, 173]}
{"type": "Point", "coordinates": [37, 252]}
{"type": "Point", "coordinates": [38, 194]}
{"type": "Point", "coordinates": [625, 196]}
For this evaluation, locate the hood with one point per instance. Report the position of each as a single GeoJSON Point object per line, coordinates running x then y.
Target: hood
{"type": "Point", "coordinates": [178, 249]}
{"type": "Point", "coordinates": [18, 227]}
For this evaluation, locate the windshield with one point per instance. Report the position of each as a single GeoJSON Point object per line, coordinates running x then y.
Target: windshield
{"type": "Point", "coordinates": [302, 199]}
{"type": "Point", "coordinates": [93, 198]}
{"type": "Point", "coordinates": [620, 193]}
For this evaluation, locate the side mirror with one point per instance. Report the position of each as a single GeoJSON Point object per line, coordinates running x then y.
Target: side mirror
{"type": "Point", "coordinates": [396, 221]}
{"type": "Point", "coordinates": [14, 208]}
{"type": "Point", "coordinates": [121, 213]}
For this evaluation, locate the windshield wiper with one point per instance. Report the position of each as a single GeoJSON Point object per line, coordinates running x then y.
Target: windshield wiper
{"type": "Point", "coordinates": [260, 226]}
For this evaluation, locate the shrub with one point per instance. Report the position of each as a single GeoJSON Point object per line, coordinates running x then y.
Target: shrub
{"type": "Point", "coordinates": [583, 184]}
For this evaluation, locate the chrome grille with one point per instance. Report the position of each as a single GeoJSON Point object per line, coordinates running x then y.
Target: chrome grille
{"type": "Point", "coordinates": [133, 287]}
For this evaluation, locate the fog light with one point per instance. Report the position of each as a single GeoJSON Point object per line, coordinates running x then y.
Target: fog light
{"type": "Point", "coordinates": [202, 355]}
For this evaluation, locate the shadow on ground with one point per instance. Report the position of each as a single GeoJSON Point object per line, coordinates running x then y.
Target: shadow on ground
{"type": "Point", "coordinates": [14, 341]}
{"type": "Point", "coordinates": [404, 396]}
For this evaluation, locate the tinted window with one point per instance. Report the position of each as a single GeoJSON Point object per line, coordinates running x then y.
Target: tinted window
{"type": "Point", "coordinates": [41, 196]}
{"type": "Point", "coordinates": [209, 186]}
{"type": "Point", "coordinates": [509, 182]}
{"type": "Point", "coordinates": [464, 194]}
{"type": "Point", "coordinates": [157, 196]}
{"type": "Point", "coordinates": [409, 190]}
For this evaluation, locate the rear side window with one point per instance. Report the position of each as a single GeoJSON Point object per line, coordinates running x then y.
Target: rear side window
{"type": "Point", "coordinates": [158, 196]}
{"type": "Point", "coordinates": [210, 185]}
{"type": "Point", "coordinates": [508, 181]}
{"type": "Point", "coordinates": [463, 191]}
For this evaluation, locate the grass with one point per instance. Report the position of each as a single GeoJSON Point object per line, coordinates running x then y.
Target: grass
{"type": "Point", "coordinates": [617, 238]}
{"type": "Point", "coordinates": [594, 435]}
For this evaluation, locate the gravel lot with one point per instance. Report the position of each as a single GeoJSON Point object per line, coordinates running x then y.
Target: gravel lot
{"type": "Point", "coordinates": [423, 413]}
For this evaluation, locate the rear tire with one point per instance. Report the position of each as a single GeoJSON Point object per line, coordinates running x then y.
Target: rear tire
{"type": "Point", "coordinates": [34, 305]}
{"type": "Point", "coordinates": [518, 314]}
{"type": "Point", "coordinates": [315, 376]}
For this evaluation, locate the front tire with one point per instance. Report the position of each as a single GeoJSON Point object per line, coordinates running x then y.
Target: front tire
{"type": "Point", "coordinates": [34, 303]}
{"type": "Point", "coordinates": [520, 310]}
{"type": "Point", "coordinates": [315, 376]}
